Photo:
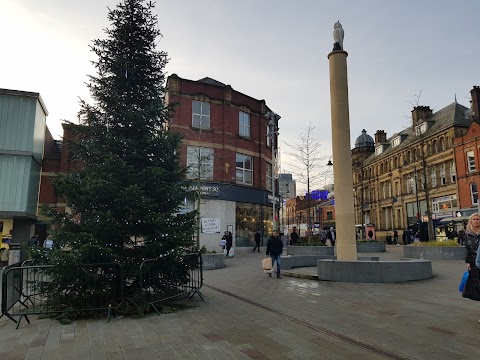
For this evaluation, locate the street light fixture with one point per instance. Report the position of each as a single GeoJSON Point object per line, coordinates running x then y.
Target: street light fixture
{"type": "Point", "coordinates": [273, 130]}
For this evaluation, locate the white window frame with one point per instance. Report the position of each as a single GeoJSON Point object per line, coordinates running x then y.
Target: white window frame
{"type": "Point", "coordinates": [474, 193]}
{"type": "Point", "coordinates": [269, 139]}
{"type": "Point", "coordinates": [244, 173]}
{"type": "Point", "coordinates": [453, 172]}
{"type": "Point", "coordinates": [205, 156]}
{"type": "Point", "coordinates": [470, 161]}
{"type": "Point", "coordinates": [396, 141]}
{"type": "Point", "coordinates": [244, 124]}
{"type": "Point", "coordinates": [269, 170]}
{"type": "Point", "coordinates": [443, 176]}
{"type": "Point", "coordinates": [378, 150]}
{"type": "Point", "coordinates": [433, 176]}
{"type": "Point", "coordinates": [201, 118]}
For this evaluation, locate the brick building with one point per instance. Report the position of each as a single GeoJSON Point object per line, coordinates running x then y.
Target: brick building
{"type": "Point", "coordinates": [467, 160]}
{"type": "Point", "coordinates": [228, 152]}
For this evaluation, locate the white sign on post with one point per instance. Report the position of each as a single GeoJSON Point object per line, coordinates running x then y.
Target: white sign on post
{"type": "Point", "coordinates": [210, 225]}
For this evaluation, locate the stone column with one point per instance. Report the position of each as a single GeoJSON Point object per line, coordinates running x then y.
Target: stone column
{"type": "Point", "coordinates": [342, 157]}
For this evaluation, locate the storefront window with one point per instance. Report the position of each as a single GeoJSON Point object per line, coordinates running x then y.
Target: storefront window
{"type": "Point", "coordinates": [248, 219]}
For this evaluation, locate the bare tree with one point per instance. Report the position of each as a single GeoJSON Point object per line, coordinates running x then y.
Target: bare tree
{"type": "Point", "coordinates": [308, 165]}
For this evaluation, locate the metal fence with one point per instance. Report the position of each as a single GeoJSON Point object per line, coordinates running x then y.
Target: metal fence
{"type": "Point", "coordinates": [29, 289]}
{"type": "Point", "coordinates": [170, 277]}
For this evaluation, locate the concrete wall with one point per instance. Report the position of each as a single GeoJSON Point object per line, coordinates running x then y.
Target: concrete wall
{"type": "Point", "coordinates": [434, 252]}
{"type": "Point", "coordinates": [374, 271]}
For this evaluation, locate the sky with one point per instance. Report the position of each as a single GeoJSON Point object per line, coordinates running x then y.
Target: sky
{"type": "Point", "coordinates": [268, 49]}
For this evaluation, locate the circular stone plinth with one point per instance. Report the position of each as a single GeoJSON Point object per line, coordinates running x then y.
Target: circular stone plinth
{"type": "Point", "coordinates": [213, 261]}
{"type": "Point", "coordinates": [371, 246]}
{"type": "Point", "coordinates": [434, 252]}
{"type": "Point", "coordinates": [374, 271]}
{"type": "Point", "coordinates": [310, 250]}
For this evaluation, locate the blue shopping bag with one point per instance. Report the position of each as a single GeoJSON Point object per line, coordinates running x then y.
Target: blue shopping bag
{"type": "Point", "coordinates": [461, 287]}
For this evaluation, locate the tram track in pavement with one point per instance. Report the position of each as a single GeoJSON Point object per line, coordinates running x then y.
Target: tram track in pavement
{"type": "Point", "coordinates": [321, 329]}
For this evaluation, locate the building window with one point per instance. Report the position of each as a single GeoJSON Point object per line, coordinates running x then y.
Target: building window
{"type": "Point", "coordinates": [470, 161]}
{"type": "Point", "coordinates": [434, 146]}
{"type": "Point", "coordinates": [433, 174]}
{"type": "Point", "coordinates": [269, 177]}
{"type": "Point", "coordinates": [199, 163]}
{"type": "Point", "coordinates": [443, 178]}
{"type": "Point", "coordinates": [244, 124]}
{"type": "Point", "coordinates": [200, 114]}
{"type": "Point", "coordinates": [442, 144]}
{"type": "Point", "coordinates": [269, 139]}
{"type": "Point", "coordinates": [378, 150]}
{"type": "Point", "coordinates": [329, 215]}
{"type": "Point", "coordinates": [411, 188]}
{"type": "Point", "coordinates": [384, 191]}
{"type": "Point", "coordinates": [453, 173]}
{"type": "Point", "coordinates": [244, 169]}
{"type": "Point", "coordinates": [444, 203]}
{"type": "Point", "coordinates": [396, 141]}
{"type": "Point", "coordinates": [474, 193]}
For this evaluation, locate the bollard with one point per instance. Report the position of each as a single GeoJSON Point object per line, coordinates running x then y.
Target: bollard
{"type": "Point", "coordinates": [14, 253]}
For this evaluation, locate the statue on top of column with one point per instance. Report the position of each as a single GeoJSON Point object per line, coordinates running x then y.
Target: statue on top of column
{"type": "Point", "coordinates": [338, 36]}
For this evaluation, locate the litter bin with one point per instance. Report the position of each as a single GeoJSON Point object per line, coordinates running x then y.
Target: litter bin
{"type": "Point", "coordinates": [14, 253]}
{"type": "Point", "coordinates": [389, 239]}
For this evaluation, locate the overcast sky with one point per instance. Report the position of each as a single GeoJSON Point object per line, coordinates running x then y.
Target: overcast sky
{"type": "Point", "coordinates": [268, 49]}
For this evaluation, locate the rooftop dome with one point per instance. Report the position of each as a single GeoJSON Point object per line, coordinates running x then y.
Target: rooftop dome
{"type": "Point", "coordinates": [364, 140]}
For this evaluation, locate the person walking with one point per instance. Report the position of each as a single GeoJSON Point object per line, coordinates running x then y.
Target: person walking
{"type": "Point", "coordinates": [395, 237]}
{"type": "Point", "coordinates": [472, 237]}
{"type": "Point", "coordinates": [257, 241]}
{"type": "Point", "coordinates": [293, 236]}
{"type": "Point", "coordinates": [275, 249]}
{"type": "Point", "coordinates": [229, 239]}
{"type": "Point", "coordinates": [331, 236]}
{"type": "Point", "coordinates": [370, 235]}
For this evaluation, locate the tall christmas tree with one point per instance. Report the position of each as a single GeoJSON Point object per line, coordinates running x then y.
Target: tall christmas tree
{"type": "Point", "coordinates": [130, 184]}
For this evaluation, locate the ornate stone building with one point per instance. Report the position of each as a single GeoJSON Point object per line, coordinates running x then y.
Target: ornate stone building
{"type": "Point", "coordinates": [409, 180]}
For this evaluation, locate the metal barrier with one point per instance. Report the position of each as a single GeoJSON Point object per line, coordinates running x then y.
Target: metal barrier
{"type": "Point", "coordinates": [34, 290]}
{"type": "Point", "coordinates": [171, 276]}
{"type": "Point", "coordinates": [29, 289]}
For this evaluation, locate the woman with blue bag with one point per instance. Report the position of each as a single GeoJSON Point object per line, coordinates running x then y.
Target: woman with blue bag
{"type": "Point", "coordinates": [472, 237]}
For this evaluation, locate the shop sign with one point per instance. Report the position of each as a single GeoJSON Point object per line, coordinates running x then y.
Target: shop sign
{"type": "Point", "coordinates": [210, 225]}
{"type": "Point", "coordinates": [270, 199]}
{"type": "Point", "coordinates": [206, 190]}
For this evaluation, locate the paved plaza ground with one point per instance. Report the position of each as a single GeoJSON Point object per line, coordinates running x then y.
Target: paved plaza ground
{"type": "Point", "coordinates": [247, 315]}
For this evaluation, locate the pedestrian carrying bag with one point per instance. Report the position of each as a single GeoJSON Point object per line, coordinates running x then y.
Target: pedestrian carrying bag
{"type": "Point", "coordinates": [267, 263]}
{"type": "Point", "coordinates": [472, 286]}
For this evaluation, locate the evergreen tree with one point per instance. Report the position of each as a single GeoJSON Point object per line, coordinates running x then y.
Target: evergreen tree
{"type": "Point", "coordinates": [130, 183]}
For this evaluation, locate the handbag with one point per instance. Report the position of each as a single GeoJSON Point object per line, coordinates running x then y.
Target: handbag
{"type": "Point", "coordinates": [463, 282]}
{"type": "Point", "coordinates": [267, 263]}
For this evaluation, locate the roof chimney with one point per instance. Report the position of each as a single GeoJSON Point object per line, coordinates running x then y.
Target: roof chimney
{"type": "Point", "coordinates": [380, 137]}
{"type": "Point", "coordinates": [420, 114]}
{"type": "Point", "coordinates": [475, 102]}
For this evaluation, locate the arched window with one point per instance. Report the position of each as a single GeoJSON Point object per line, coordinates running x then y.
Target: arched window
{"type": "Point", "coordinates": [429, 149]}
{"type": "Point", "coordinates": [414, 154]}
{"type": "Point", "coordinates": [442, 144]}
{"type": "Point", "coordinates": [409, 156]}
{"type": "Point", "coordinates": [474, 193]}
{"type": "Point", "coordinates": [395, 162]}
{"type": "Point", "coordinates": [381, 168]}
{"type": "Point", "coordinates": [434, 147]}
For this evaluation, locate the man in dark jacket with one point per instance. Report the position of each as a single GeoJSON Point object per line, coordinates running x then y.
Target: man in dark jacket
{"type": "Point", "coordinates": [293, 236]}
{"type": "Point", "coordinates": [257, 241]}
{"type": "Point", "coordinates": [275, 249]}
{"type": "Point", "coordinates": [229, 239]}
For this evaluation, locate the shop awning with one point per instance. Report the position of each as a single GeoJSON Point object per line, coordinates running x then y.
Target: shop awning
{"type": "Point", "coordinates": [446, 220]}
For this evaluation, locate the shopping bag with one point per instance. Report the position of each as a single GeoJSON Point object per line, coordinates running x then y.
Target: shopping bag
{"type": "Point", "coordinates": [231, 253]}
{"type": "Point", "coordinates": [461, 287]}
{"type": "Point", "coordinates": [267, 263]}
{"type": "Point", "coordinates": [472, 286]}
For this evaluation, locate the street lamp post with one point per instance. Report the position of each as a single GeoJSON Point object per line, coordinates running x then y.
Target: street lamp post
{"type": "Point", "coordinates": [416, 197]}
{"type": "Point", "coordinates": [273, 131]}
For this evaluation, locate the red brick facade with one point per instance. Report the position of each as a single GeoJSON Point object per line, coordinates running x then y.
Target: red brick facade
{"type": "Point", "coordinates": [223, 135]}
{"type": "Point", "coordinates": [467, 143]}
